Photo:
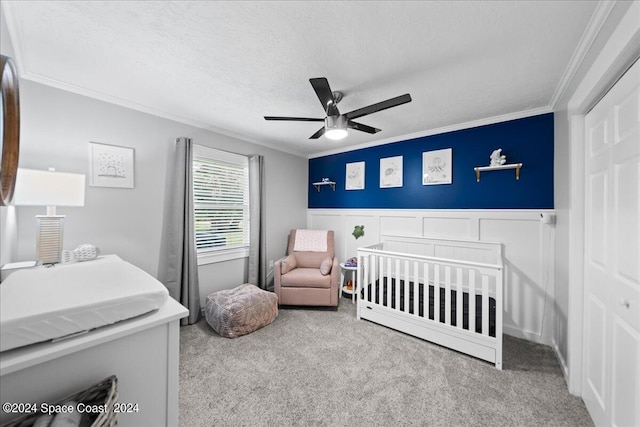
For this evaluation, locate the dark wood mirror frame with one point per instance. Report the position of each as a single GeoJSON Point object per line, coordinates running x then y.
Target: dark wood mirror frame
{"type": "Point", "coordinates": [10, 142]}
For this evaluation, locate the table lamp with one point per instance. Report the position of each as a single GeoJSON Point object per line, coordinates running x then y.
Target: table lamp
{"type": "Point", "coordinates": [50, 189]}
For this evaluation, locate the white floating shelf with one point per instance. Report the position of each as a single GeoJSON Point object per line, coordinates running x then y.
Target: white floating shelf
{"type": "Point", "coordinates": [320, 184]}
{"type": "Point", "coordinates": [515, 166]}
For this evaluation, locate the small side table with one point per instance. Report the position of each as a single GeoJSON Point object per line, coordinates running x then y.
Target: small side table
{"type": "Point", "coordinates": [343, 280]}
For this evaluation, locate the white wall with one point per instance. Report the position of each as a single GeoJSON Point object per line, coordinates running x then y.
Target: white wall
{"type": "Point", "coordinates": [57, 127]}
{"type": "Point", "coordinates": [527, 243]}
{"type": "Point", "coordinates": [8, 234]}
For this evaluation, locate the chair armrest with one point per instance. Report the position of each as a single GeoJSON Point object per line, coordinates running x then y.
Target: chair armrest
{"type": "Point", "coordinates": [335, 281]}
{"type": "Point", "coordinates": [335, 268]}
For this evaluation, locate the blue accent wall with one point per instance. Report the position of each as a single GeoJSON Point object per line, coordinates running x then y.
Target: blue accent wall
{"type": "Point", "coordinates": [528, 141]}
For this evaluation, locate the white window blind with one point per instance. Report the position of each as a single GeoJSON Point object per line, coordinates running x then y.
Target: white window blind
{"type": "Point", "coordinates": [221, 200]}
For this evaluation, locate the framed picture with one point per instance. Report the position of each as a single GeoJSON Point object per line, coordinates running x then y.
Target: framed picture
{"type": "Point", "coordinates": [110, 166]}
{"type": "Point", "coordinates": [355, 176]}
{"type": "Point", "coordinates": [391, 172]}
{"type": "Point", "coordinates": [436, 167]}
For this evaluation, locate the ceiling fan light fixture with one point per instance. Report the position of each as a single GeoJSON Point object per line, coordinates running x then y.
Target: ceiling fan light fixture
{"type": "Point", "coordinates": [335, 127]}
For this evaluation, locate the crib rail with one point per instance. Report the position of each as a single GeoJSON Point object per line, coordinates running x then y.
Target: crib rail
{"type": "Point", "coordinates": [456, 303]}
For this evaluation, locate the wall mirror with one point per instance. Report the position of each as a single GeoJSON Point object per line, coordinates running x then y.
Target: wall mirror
{"type": "Point", "coordinates": [10, 136]}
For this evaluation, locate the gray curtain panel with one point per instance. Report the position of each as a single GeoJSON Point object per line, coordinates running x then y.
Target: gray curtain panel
{"type": "Point", "coordinates": [180, 258]}
{"type": "Point", "coordinates": [257, 248]}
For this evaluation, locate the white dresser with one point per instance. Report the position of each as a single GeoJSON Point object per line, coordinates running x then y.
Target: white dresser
{"type": "Point", "coordinates": [142, 352]}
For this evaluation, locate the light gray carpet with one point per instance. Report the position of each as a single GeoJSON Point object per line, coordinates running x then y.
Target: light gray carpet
{"type": "Point", "coordinates": [318, 367]}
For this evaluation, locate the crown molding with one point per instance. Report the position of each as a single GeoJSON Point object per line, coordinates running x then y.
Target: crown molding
{"type": "Point", "coordinates": [440, 130]}
{"type": "Point", "coordinates": [47, 81]}
{"type": "Point", "coordinates": [598, 18]}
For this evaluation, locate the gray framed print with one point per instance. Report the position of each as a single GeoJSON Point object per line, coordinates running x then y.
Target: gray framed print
{"type": "Point", "coordinates": [355, 176]}
{"type": "Point", "coordinates": [391, 172]}
{"type": "Point", "coordinates": [436, 167]}
{"type": "Point", "coordinates": [110, 166]}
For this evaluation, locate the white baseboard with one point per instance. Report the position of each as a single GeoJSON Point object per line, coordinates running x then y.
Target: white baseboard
{"type": "Point", "coordinates": [523, 334]}
{"type": "Point", "coordinates": [563, 363]}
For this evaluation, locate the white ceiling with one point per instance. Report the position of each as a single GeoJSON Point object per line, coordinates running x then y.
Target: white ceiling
{"type": "Point", "coordinates": [224, 65]}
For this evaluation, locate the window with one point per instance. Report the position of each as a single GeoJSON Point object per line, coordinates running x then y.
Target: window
{"type": "Point", "coordinates": [221, 204]}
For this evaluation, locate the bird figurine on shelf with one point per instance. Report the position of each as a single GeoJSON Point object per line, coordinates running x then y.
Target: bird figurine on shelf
{"type": "Point", "coordinates": [497, 158]}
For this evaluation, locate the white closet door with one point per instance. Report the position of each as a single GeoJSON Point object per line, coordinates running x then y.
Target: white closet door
{"type": "Point", "coordinates": [611, 353]}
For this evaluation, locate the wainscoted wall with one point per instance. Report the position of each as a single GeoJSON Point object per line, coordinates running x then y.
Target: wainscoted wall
{"type": "Point", "coordinates": [528, 140]}
{"type": "Point", "coordinates": [528, 251]}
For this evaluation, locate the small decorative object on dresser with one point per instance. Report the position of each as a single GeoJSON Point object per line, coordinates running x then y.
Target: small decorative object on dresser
{"type": "Point", "coordinates": [84, 252]}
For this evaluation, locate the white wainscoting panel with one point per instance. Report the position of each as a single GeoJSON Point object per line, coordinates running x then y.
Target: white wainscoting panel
{"type": "Point", "coordinates": [528, 251]}
{"type": "Point", "coordinates": [446, 227]}
{"type": "Point", "coordinates": [400, 225]}
{"type": "Point", "coordinates": [528, 273]}
{"type": "Point", "coordinates": [371, 225]}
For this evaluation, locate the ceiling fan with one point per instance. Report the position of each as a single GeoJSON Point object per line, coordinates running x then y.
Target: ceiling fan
{"type": "Point", "coordinates": [336, 124]}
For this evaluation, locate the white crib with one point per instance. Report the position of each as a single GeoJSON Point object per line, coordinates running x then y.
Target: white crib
{"type": "Point", "coordinates": [391, 281]}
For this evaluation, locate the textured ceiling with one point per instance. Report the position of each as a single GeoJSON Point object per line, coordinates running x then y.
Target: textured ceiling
{"type": "Point", "coordinates": [224, 65]}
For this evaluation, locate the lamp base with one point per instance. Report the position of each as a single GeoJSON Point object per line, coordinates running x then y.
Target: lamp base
{"type": "Point", "coordinates": [49, 244]}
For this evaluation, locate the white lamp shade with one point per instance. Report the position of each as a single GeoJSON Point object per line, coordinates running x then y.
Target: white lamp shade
{"type": "Point", "coordinates": [48, 188]}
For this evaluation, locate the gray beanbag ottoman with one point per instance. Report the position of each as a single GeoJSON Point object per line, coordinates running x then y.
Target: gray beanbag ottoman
{"type": "Point", "coordinates": [241, 310]}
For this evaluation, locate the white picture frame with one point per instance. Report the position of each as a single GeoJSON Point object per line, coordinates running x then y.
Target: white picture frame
{"type": "Point", "coordinates": [437, 167]}
{"type": "Point", "coordinates": [391, 172]}
{"type": "Point", "coordinates": [354, 179]}
{"type": "Point", "coordinates": [111, 166]}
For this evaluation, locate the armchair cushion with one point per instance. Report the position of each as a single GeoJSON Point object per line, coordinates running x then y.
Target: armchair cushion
{"type": "Point", "coordinates": [303, 277]}
{"type": "Point", "coordinates": [288, 264]}
{"type": "Point", "coordinates": [325, 267]}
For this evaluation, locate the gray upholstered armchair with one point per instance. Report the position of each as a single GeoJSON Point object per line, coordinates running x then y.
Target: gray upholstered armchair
{"type": "Point", "coordinates": [310, 273]}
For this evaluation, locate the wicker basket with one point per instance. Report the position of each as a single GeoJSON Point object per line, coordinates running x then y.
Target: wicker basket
{"type": "Point", "coordinates": [103, 393]}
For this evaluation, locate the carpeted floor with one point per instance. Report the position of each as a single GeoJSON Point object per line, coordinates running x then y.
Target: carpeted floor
{"type": "Point", "coordinates": [319, 367]}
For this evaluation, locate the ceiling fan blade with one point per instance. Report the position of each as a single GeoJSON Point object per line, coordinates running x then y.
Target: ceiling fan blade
{"type": "Point", "coordinates": [325, 95]}
{"type": "Point", "coordinates": [393, 102]}
{"type": "Point", "coordinates": [363, 128]}
{"type": "Point", "coordinates": [294, 119]}
{"type": "Point", "coordinates": [318, 134]}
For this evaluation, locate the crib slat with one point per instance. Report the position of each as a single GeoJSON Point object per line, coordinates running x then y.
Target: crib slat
{"type": "Point", "coordinates": [397, 306]}
{"type": "Point", "coordinates": [472, 300]}
{"type": "Point", "coordinates": [372, 278]}
{"type": "Point", "coordinates": [388, 277]}
{"type": "Point", "coordinates": [447, 295]}
{"type": "Point", "coordinates": [380, 279]}
{"type": "Point", "coordinates": [459, 298]}
{"type": "Point", "coordinates": [436, 292]}
{"type": "Point", "coordinates": [407, 280]}
{"type": "Point", "coordinates": [365, 280]}
{"type": "Point", "coordinates": [485, 305]}
{"type": "Point", "coordinates": [416, 288]}
{"type": "Point", "coordinates": [425, 291]}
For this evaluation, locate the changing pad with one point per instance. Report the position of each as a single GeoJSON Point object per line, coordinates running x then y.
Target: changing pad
{"type": "Point", "coordinates": [41, 304]}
